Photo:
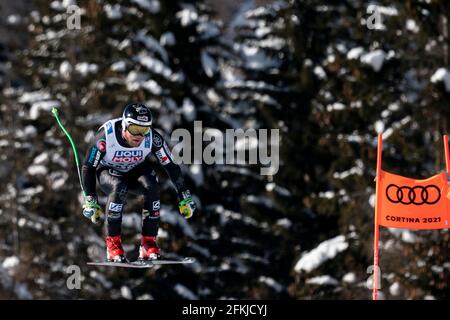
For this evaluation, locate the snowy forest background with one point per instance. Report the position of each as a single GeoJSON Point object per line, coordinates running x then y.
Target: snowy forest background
{"type": "Point", "coordinates": [313, 69]}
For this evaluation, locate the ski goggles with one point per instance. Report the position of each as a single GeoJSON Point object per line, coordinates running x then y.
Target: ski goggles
{"type": "Point", "coordinates": [137, 130]}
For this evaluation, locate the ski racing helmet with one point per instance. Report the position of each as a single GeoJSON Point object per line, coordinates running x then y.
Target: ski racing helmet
{"type": "Point", "coordinates": [137, 119]}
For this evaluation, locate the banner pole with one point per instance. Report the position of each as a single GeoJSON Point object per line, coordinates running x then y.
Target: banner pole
{"type": "Point", "coordinates": [447, 156]}
{"type": "Point", "coordinates": [376, 226]}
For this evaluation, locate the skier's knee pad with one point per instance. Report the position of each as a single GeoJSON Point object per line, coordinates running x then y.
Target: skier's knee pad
{"type": "Point", "coordinates": [116, 201]}
{"type": "Point", "coordinates": [114, 211]}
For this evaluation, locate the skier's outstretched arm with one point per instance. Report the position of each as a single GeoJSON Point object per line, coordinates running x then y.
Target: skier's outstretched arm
{"type": "Point", "coordinates": [97, 150]}
{"type": "Point", "coordinates": [161, 151]}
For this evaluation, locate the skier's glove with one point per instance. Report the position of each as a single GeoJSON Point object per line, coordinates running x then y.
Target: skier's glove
{"type": "Point", "coordinates": [186, 205]}
{"type": "Point", "coordinates": [92, 210]}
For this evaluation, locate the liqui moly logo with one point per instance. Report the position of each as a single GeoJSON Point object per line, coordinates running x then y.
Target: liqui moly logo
{"type": "Point", "coordinates": [128, 156]}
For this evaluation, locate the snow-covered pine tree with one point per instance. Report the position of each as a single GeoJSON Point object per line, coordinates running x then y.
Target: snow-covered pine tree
{"type": "Point", "coordinates": [162, 53]}
{"type": "Point", "coordinates": [281, 48]}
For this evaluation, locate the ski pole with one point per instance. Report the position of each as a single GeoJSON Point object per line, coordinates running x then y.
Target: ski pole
{"type": "Point", "coordinates": [75, 153]}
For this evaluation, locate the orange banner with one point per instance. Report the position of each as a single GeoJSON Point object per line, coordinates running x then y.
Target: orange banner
{"type": "Point", "coordinates": [413, 204]}
{"type": "Point", "coordinates": [408, 203]}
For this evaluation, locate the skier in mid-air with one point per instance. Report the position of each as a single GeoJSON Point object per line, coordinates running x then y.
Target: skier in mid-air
{"type": "Point", "coordinates": [118, 159]}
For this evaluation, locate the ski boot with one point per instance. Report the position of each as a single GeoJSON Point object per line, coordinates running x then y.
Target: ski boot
{"type": "Point", "coordinates": [149, 249]}
{"type": "Point", "coordinates": [114, 250]}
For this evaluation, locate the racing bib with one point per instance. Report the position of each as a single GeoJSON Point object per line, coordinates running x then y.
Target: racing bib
{"type": "Point", "coordinates": [121, 158]}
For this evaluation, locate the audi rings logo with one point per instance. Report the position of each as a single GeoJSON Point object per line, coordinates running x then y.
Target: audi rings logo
{"type": "Point", "coordinates": [417, 195]}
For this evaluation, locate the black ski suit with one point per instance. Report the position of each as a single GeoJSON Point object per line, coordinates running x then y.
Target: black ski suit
{"type": "Point", "coordinates": [140, 180]}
